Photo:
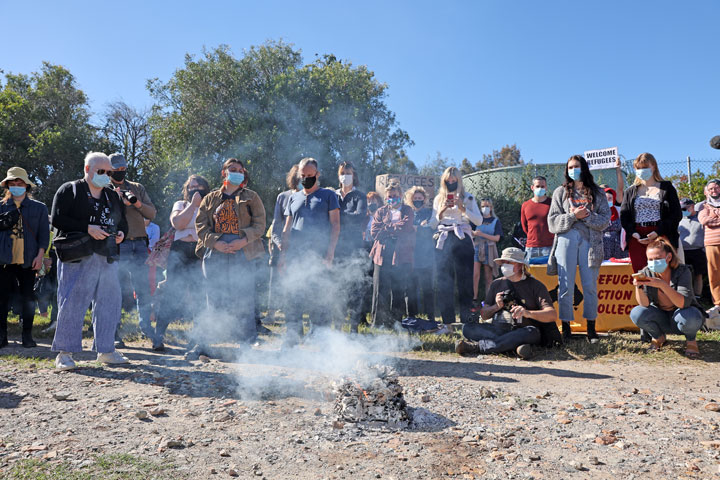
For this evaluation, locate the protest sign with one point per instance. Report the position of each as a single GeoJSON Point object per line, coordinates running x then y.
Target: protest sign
{"type": "Point", "coordinates": [407, 181]}
{"type": "Point", "coordinates": [605, 158]}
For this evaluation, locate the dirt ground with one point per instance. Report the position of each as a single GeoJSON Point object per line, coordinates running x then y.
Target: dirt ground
{"type": "Point", "coordinates": [486, 417]}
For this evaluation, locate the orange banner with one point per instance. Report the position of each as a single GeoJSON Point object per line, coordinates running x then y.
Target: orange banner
{"type": "Point", "coordinates": [616, 297]}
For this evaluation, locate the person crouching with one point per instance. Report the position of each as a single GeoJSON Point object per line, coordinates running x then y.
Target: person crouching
{"type": "Point", "coordinates": [521, 311]}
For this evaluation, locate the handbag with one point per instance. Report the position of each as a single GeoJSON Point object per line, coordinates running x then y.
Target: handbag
{"type": "Point", "coordinates": [159, 255]}
{"type": "Point", "coordinates": [9, 219]}
{"type": "Point", "coordinates": [73, 246]}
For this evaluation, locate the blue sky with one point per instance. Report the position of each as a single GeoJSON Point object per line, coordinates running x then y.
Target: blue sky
{"type": "Point", "coordinates": [465, 77]}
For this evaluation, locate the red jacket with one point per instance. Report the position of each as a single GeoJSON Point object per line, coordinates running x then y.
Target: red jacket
{"type": "Point", "coordinates": [383, 231]}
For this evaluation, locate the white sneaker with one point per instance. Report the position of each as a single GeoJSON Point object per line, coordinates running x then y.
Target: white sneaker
{"type": "Point", "coordinates": [714, 311]}
{"type": "Point", "coordinates": [64, 361]}
{"type": "Point", "coordinates": [112, 358]}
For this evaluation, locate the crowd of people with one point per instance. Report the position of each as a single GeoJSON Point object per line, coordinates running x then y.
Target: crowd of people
{"type": "Point", "coordinates": [342, 256]}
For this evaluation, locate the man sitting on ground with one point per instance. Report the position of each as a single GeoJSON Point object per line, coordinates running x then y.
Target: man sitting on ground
{"type": "Point", "coordinates": [521, 311]}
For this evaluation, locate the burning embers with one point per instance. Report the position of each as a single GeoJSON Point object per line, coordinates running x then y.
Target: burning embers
{"type": "Point", "coordinates": [374, 396]}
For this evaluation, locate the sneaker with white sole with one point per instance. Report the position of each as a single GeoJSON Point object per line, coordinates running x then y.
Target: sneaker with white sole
{"type": "Point", "coordinates": [714, 312]}
{"type": "Point", "coordinates": [64, 361]}
{"type": "Point", "coordinates": [50, 328]}
{"type": "Point", "coordinates": [112, 358]}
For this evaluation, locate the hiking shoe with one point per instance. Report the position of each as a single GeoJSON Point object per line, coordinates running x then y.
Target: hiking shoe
{"type": "Point", "coordinates": [158, 346]}
{"type": "Point", "coordinates": [119, 344]}
{"type": "Point", "coordinates": [112, 358]}
{"type": "Point", "coordinates": [464, 347]}
{"type": "Point", "coordinates": [566, 331]}
{"type": "Point", "coordinates": [713, 312]}
{"type": "Point", "coordinates": [524, 351]}
{"type": "Point", "coordinates": [64, 361]}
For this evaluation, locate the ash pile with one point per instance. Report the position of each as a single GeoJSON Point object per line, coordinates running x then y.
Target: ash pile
{"type": "Point", "coordinates": [373, 397]}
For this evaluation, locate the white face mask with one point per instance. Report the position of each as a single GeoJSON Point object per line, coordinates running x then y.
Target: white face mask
{"type": "Point", "coordinates": [507, 269]}
{"type": "Point", "coordinates": [346, 180]}
{"type": "Point", "coordinates": [485, 211]}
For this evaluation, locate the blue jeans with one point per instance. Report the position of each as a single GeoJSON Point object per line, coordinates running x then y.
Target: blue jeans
{"type": "Point", "coordinates": [658, 322]}
{"type": "Point", "coordinates": [500, 337]}
{"type": "Point", "coordinates": [532, 252]}
{"type": "Point", "coordinates": [572, 251]}
{"type": "Point", "coordinates": [134, 276]}
{"type": "Point", "coordinates": [91, 279]}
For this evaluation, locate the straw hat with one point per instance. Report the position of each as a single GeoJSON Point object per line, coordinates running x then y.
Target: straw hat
{"type": "Point", "coordinates": [14, 173]}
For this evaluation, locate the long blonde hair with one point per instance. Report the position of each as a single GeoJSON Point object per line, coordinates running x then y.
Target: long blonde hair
{"type": "Point", "coordinates": [649, 160]}
{"type": "Point", "coordinates": [411, 193]}
{"type": "Point", "coordinates": [441, 196]}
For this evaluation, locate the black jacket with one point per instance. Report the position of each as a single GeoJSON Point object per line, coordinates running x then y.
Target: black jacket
{"type": "Point", "coordinates": [353, 220]}
{"type": "Point", "coordinates": [670, 212]}
{"type": "Point", "coordinates": [35, 230]}
{"type": "Point", "coordinates": [71, 210]}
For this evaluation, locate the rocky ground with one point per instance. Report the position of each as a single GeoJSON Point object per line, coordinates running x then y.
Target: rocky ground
{"type": "Point", "coordinates": [267, 414]}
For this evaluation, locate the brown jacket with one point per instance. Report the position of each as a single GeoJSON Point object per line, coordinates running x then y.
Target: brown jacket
{"type": "Point", "coordinates": [251, 220]}
{"type": "Point", "coordinates": [384, 232]}
{"type": "Point", "coordinates": [136, 216]}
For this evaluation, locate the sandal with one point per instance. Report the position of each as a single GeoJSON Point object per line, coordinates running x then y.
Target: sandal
{"type": "Point", "coordinates": [692, 351]}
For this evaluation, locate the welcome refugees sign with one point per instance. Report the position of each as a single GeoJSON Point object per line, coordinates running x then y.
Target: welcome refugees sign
{"type": "Point", "coordinates": [605, 158]}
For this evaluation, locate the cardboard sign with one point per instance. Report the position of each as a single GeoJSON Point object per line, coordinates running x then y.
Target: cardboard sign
{"type": "Point", "coordinates": [605, 158]}
{"type": "Point", "coordinates": [616, 297]}
{"type": "Point", "coordinates": [406, 182]}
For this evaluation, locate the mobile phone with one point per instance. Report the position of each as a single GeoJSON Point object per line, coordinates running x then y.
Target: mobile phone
{"type": "Point", "coordinates": [451, 197]}
{"type": "Point", "coordinates": [641, 277]}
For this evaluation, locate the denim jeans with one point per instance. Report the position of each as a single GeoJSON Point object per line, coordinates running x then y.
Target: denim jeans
{"type": "Point", "coordinates": [572, 251]}
{"type": "Point", "coordinates": [500, 337]}
{"type": "Point", "coordinates": [134, 276]}
{"type": "Point", "coordinates": [657, 322]}
{"type": "Point", "coordinates": [532, 252]}
{"type": "Point", "coordinates": [90, 280]}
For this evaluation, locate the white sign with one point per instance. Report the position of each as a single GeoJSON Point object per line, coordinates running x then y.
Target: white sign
{"type": "Point", "coordinates": [604, 158]}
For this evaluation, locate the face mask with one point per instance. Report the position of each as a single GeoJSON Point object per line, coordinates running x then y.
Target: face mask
{"type": "Point", "coordinates": [191, 193]}
{"type": "Point", "coordinates": [373, 207]}
{"type": "Point", "coordinates": [393, 201]}
{"type": "Point", "coordinates": [346, 180]}
{"type": "Point", "coordinates": [16, 191]}
{"type": "Point", "coordinates": [574, 173]}
{"type": "Point", "coordinates": [610, 203]}
{"type": "Point", "coordinates": [507, 269]}
{"type": "Point", "coordinates": [539, 192]}
{"type": "Point", "coordinates": [485, 211]}
{"type": "Point", "coordinates": [100, 181]}
{"type": "Point", "coordinates": [308, 182]}
{"type": "Point", "coordinates": [119, 175]}
{"type": "Point", "coordinates": [657, 266]}
{"type": "Point", "coordinates": [686, 213]}
{"type": "Point", "coordinates": [715, 197]}
{"type": "Point", "coordinates": [644, 173]}
{"type": "Point", "coordinates": [451, 187]}
{"type": "Point", "coordinates": [235, 178]}
{"type": "Point", "coordinates": [418, 203]}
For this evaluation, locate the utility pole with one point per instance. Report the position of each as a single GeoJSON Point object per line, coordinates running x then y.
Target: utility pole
{"type": "Point", "coordinates": [688, 165]}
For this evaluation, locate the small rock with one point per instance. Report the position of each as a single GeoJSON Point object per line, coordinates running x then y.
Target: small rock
{"type": "Point", "coordinates": [425, 398]}
{"type": "Point", "coordinates": [713, 407]}
{"type": "Point", "coordinates": [213, 471]}
{"type": "Point", "coordinates": [156, 412]}
{"type": "Point", "coordinates": [141, 414]}
{"type": "Point", "coordinates": [606, 440]}
{"type": "Point", "coordinates": [318, 412]}
{"type": "Point", "coordinates": [338, 425]}
{"type": "Point", "coordinates": [223, 417]}
{"type": "Point", "coordinates": [224, 453]}
{"type": "Point", "coordinates": [594, 461]}
{"type": "Point", "coordinates": [577, 465]}
{"type": "Point", "coordinates": [534, 458]}
{"type": "Point", "coordinates": [231, 471]}
{"type": "Point", "coordinates": [641, 411]}
{"type": "Point", "coordinates": [206, 359]}
{"type": "Point", "coordinates": [62, 396]}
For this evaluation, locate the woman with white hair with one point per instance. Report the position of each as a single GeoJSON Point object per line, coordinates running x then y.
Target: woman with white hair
{"type": "Point", "coordinates": [453, 210]}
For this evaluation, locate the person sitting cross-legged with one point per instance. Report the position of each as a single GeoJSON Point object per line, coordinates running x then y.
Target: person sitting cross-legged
{"type": "Point", "coordinates": [521, 311]}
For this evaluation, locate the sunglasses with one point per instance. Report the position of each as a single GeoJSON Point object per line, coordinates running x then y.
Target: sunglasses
{"type": "Point", "coordinates": [102, 171]}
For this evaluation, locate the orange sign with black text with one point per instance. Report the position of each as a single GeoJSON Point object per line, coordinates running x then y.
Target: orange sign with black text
{"type": "Point", "coordinates": [616, 297]}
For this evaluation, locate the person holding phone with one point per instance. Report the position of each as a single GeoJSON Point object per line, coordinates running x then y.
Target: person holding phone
{"type": "Point", "coordinates": [666, 299]}
{"type": "Point", "coordinates": [453, 210]}
{"type": "Point", "coordinates": [650, 209]}
{"type": "Point", "coordinates": [578, 215]}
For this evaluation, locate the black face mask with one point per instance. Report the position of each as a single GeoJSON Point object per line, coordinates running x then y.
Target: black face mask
{"type": "Point", "coordinates": [372, 208]}
{"type": "Point", "coordinates": [308, 182]}
{"type": "Point", "coordinates": [451, 187]}
{"type": "Point", "coordinates": [418, 203]}
{"type": "Point", "coordinates": [191, 193]}
{"type": "Point", "coordinates": [119, 175]}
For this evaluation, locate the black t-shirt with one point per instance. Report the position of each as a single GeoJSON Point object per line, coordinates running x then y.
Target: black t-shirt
{"type": "Point", "coordinates": [531, 290]}
{"type": "Point", "coordinates": [100, 215]}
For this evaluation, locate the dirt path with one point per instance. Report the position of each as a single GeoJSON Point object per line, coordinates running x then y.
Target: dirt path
{"type": "Point", "coordinates": [489, 417]}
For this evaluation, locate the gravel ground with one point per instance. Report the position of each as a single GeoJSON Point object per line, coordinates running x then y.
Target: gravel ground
{"type": "Point", "coordinates": [487, 417]}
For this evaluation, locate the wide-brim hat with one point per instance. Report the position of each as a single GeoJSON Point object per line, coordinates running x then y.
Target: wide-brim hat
{"type": "Point", "coordinates": [15, 173]}
{"type": "Point", "coordinates": [512, 254]}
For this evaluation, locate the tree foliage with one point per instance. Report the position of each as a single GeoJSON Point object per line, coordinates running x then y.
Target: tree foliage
{"type": "Point", "coordinates": [45, 127]}
{"type": "Point", "coordinates": [269, 109]}
{"type": "Point", "coordinates": [126, 128]}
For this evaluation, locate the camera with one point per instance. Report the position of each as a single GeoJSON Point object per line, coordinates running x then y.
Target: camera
{"type": "Point", "coordinates": [129, 196]}
{"type": "Point", "coordinates": [510, 300]}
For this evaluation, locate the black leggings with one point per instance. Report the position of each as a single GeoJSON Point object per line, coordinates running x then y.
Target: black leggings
{"type": "Point", "coordinates": [25, 277]}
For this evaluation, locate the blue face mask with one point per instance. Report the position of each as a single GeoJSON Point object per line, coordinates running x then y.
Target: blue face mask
{"type": "Point", "coordinates": [100, 181]}
{"type": "Point", "coordinates": [686, 213]}
{"type": "Point", "coordinates": [657, 266]}
{"type": "Point", "coordinates": [539, 192]}
{"type": "Point", "coordinates": [393, 201]}
{"type": "Point", "coordinates": [574, 173]}
{"type": "Point", "coordinates": [644, 173]}
{"type": "Point", "coordinates": [235, 178]}
{"type": "Point", "coordinates": [16, 191]}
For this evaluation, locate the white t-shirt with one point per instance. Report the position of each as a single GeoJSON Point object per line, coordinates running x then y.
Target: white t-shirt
{"type": "Point", "coordinates": [189, 231]}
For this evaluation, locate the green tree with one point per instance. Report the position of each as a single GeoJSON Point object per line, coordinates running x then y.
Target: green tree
{"type": "Point", "coordinates": [270, 110]}
{"type": "Point", "coordinates": [507, 156]}
{"type": "Point", "coordinates": [466, 167]}
{"type": "Point", "coordinates": [45, 127]}
{"type": "Point", "coordinates": [126, 128]}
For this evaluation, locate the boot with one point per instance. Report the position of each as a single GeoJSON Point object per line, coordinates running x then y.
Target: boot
{"type": "Point", "coordinates": [566, 332]}
{"type": "Point", "coordinates": [27, 340]}
{"type": "Point", "coordinates": [3, 333]}
{"type": "Point", "coordinates": [592, 336]}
